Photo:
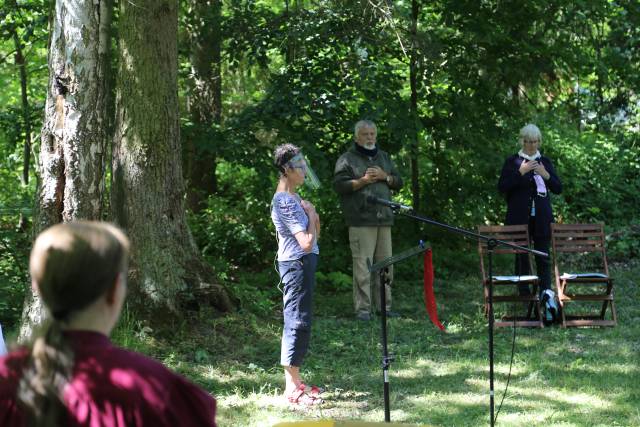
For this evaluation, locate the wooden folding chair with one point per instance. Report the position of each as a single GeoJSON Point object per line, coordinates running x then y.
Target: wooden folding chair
{"type": "Point", "coordinates": [505, 287]}
{"type": "Point", "coordinates": [582, 273]}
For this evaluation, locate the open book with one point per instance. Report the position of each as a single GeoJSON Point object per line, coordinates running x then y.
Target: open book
{"type": "Point", "coordinates": [514, 278]}
{"type": "Point", "coordinates": [583, 275]}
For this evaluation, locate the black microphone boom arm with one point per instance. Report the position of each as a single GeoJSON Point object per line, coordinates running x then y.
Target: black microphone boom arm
{"type": "Point", "coordinates": [393, 205]}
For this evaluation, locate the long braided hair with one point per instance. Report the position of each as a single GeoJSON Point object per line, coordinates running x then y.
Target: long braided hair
{"type": "Point", "coordinates": [72, 265]}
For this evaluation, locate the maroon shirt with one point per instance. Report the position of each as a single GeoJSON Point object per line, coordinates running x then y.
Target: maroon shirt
{"type": "Point", "coordinates": [113, 387]}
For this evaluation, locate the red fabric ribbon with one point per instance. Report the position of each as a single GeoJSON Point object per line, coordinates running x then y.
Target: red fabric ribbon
{"type": "Point", "coordinates": [429, 297]}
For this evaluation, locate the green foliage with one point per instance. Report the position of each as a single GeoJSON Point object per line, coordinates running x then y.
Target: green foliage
{"type": "Point", "coordinates": [624, 244]}
{"type": "Point", "coordinates": [234, 229]}
{"type": "Point", "coordinates": [304, 72]}
{"type": "Point", "coordinates": [482, 75]}
{"type": "Point", "coordinates": [14, 278]}
{"type": "Point", "coordinates": [600, 176]}
{"type": "Point", "coordinates": [338, 281]}
{"type": "Point", "coordinates": [22, 25]}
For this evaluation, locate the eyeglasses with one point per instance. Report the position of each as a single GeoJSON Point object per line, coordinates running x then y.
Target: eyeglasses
{"type": "Point", "coordinates": [531, 141]}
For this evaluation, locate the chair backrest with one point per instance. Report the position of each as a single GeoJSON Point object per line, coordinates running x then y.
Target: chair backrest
{"type": "Point", "coordinates": [515, 234]}
{"type": "Point", "coordinates": [582, 244]}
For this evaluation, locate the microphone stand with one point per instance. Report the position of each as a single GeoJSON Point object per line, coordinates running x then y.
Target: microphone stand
{"type": "Point", "coordinates": [383, 268]}
{"type": "Point", "coordinates": [491, 245]}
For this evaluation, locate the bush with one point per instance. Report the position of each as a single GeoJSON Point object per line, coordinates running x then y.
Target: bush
{"type": "Point", "coordinates": [14, 261]}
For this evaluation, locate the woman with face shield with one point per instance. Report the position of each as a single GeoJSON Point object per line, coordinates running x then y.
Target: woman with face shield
{"type": "Point", "coordinates": [297, 227]}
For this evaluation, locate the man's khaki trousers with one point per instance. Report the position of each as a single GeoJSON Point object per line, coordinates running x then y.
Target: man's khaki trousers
{"type": "Point", "coordinates": [373, 243]}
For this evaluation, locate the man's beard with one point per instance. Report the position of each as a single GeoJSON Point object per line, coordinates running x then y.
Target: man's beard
{"type": "Point", "coordinates": [370, 146]}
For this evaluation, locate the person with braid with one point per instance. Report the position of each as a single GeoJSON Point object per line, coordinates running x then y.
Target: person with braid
{"type": "Point", "coordinates": [72, 375]}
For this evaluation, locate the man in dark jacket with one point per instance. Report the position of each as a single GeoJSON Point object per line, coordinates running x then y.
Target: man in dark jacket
{"type": "Point", "coordinates": [365, 170]}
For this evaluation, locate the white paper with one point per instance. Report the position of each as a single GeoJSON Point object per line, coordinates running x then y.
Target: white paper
{"type": "Point", "coordinates": [583, 275]}
{"type": "Point", "coordinates": [514, 278]}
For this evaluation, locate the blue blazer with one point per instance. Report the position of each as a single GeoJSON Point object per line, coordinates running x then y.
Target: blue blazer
{"type": "Point", "coordinates": [520, 192]}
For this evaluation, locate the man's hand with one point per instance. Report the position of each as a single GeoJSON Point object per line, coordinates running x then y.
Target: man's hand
{"type": "Point", "coordinates": [376, 173]}
{"type": "Point", "coordinates": [371, 175]}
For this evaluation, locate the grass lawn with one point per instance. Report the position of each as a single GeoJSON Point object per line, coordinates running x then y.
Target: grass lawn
{"type": "Point", "coordinates": [560, 377]}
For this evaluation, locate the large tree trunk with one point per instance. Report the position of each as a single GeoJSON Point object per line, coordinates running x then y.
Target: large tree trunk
{"type": "Point", "coordinates": [205, 101]}
{"type": "Point", "coordinates": [148, 187]}
{"type": "Point", "coordinates": [71, 167]}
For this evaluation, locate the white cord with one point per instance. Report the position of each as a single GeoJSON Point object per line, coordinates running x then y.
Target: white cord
{"type": "Point", "coordinates": [275, 259]}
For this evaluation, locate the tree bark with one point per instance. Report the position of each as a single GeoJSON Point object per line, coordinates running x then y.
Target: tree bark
{"type": "Point", "coordinates": [71, 164]}
{"type": "Point", "coordinates": [147, 183]}
{"type": "Point", "coordinates": [205, 103]}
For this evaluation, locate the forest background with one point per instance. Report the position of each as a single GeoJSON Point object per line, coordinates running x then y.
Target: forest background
{"type": "Point", "coordinates": [448, 82]}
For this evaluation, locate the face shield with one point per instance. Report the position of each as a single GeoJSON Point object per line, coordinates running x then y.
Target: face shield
{"type": "Point", "coordinates": [300, 162]}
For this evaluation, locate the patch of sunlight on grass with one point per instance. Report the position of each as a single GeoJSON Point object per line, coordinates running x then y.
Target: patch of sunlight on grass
{"type": "Point", "coordinates": [211, 373]}
{"type": "Point", "coordinates": [441, 369]}
{"type": "Point", "coordinates": [614, 368]}
{"type": "Point", "coordinates": [458, 400]}
{"type": "Point", "coordinates": [227, 377]}
{"type": "Point", "coordinates": [258, 418]}
{"type": "Point", "coordinates": [454, 328]}
{"type": "Point", "coordinates": [574, 398]}
{"type": "Point", "coordinates": [582, 399]}
{"type": "Point", "coordinates": [636, 417]}
{"type": "Point", "coordinates": [478, 382]}
{"type": "Point", "coordinates": [436, 369]}
{"type": "Point", "coordinates": [503, 369]}
{"type": "Point", "coordinates": [409, 373]}
{"type": "Point", "coordinates": [400, 416]}
{"type": "Point", "coordinates": [536, 399]}
{"type": "Point", "coordinates": [542, 418]}
{"type": "Point", "coordinates": [238, 400]}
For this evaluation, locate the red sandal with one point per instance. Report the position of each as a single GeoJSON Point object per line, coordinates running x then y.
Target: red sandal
{"type": "Point", "coordinates": [300, 397]}
{"type": "Point", "coordinates": [312, 390]}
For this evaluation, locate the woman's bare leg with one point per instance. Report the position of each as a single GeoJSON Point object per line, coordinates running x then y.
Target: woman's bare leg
{"type": "Point", "coordinates": [292, 379]}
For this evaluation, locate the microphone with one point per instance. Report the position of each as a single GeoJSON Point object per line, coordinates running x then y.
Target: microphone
{"type": "Point", "coordinates": [388, 203]}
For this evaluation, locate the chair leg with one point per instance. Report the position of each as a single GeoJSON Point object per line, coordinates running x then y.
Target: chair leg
{"type": "Point", "coordinates": [603, 310]}
{"type": "Point", "coordinates": [539, 314]}
{"type": "Point", "coordinates": [560, 286]}
{"type": "Point", "coordinates": [562, 314]}
{"type": "Point", "coordinates": [613, 313]}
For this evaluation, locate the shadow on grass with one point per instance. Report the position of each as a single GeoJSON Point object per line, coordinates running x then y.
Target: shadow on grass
{"type": "Point", "coordinates": [577, 377]}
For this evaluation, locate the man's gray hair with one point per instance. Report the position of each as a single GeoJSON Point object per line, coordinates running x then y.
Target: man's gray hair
{"type": "Point", "coordinates": [529, 132]}
{"type": "Point", "coordinates": [364, 124]}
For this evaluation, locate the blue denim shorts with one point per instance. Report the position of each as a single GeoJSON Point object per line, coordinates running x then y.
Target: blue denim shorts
{"type": "Point", "coordinates": [298, 278]}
